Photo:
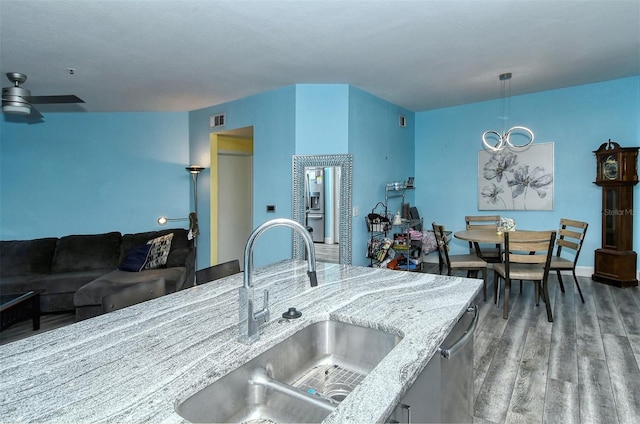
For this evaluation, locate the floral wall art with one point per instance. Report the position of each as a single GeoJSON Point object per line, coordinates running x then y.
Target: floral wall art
{"type": "Point", "coordinates": [516, 180]}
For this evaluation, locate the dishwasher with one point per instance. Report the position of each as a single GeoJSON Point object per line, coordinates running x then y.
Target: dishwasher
{"type": "Point", "coordinates": [443, 392]}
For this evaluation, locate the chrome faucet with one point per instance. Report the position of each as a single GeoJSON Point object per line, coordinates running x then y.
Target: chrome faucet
{"type": "Point", "coordinates": [249, 334]}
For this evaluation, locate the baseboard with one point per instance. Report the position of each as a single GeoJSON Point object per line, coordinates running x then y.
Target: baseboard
{"type": "Point", "coordinates": [583, 271]}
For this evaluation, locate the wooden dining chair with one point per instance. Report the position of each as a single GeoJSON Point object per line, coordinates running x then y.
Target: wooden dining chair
{"type": "Point", "coordinates": [570, 237]}
{"type": "Point", "coordinates": [490, 253]}
{"type": "Point", "coordinates": [217, 272]}
{"type": "Point", "coordinates": [471, 262]}
{"type": "Point", "coordinates": [527, 256]}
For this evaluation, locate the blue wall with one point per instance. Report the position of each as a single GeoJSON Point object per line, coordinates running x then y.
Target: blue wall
{"type": "Point", "coordinates": [98, 172]}
{"type": "Point", "coordinates": [577, 120]}
{"type": "Point", "coordinates": [81, 173]}
{"type": "Point", "coordinates": [382, 152]}
{"type": "Point", "coordinates": [308, 119]}
{"type": "Point", "coordinates": [322, 119]}
{"type": "Point", "coordinates": [272, 115]}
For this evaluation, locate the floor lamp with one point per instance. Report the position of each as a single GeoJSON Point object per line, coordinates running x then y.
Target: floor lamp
{"type": "Point", "coordinates": [194, 170]}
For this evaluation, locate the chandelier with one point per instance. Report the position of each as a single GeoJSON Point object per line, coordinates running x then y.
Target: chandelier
{"type": "Point", "coordinates": [495, 141]}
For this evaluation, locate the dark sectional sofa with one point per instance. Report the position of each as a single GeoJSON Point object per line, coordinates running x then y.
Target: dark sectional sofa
{"type": "Point", "coordinates": [74, 272]}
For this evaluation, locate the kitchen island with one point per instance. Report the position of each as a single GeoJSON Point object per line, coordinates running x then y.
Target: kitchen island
{"type": "Point", "coordinates": [136, 364]}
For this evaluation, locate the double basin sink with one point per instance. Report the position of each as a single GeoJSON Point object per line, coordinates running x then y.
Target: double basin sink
{"type": "Point", "coordinates": [302, 379]}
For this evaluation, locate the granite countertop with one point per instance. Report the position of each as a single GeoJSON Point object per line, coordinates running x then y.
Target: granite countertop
{"type": "Point", "coordinates": [134, 365]}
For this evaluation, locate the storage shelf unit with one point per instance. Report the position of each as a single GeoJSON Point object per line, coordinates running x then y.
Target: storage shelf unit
{"type": "Point", "coordinates": [393, 241]}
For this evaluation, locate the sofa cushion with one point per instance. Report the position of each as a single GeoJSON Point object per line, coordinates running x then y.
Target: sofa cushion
{"type": "Point", "coordinates": [57, 290]}
{"type": "Point", "coordinates": [159, 252]}
{"type": "Point", "coordinates": [179, 257]}
{"type": "Point", "coordinates": [87, 252]}
{"type": "Point", "coordinates": [92, 293]}
{"type": "Point", "coordinates": [136, 259]}
{"type": "Point", "coordinates": [64, 282]}
{"type": "Point", "coordinates": [23, 257]}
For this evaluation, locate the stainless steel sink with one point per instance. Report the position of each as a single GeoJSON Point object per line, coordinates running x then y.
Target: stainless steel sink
{"type": "Point", "coordinates": [302, 379]}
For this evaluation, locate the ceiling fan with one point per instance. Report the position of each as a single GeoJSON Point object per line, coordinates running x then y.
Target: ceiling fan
{"type": "Point", "coordinates": [17, 100]}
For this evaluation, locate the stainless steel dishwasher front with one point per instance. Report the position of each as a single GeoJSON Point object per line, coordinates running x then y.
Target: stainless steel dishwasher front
{"type": "Point", "coordinates": [443, 392]}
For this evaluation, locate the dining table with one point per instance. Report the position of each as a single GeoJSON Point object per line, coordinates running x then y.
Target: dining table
{"type": "Point", "coordinates": [488, 236]}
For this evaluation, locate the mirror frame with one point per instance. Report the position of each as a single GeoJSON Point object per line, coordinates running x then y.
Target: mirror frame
{"type": "Point", "coordinates": [345, 162]}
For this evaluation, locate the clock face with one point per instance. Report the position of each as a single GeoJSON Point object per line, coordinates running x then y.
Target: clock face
{"type": "Point", "coordinates": [610, 168]}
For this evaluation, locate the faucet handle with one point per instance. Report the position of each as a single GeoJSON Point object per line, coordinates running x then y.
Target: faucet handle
{"type": "Point", "coordinates": [264, 313]}
{"type": "Point", "coordinates": [266, 301]}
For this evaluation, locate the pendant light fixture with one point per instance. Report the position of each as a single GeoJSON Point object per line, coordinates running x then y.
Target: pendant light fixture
{"type": "Point", "coordinates": [496, 142]}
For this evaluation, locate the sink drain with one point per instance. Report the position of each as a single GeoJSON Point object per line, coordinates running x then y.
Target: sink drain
{"type": "Point", "coordinates": [337, 392]}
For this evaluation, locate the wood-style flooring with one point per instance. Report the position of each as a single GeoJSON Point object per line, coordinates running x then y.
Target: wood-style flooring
{"type": "Point", "coordinates": [582, 368]}
{"type": "Point", "coordinates": [23, 329]}
{"type": "Point", "coordinates": [327, 252]}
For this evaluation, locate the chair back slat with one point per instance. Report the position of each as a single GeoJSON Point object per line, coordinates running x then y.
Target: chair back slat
{"type": "Point", "coordinates": [532, 246]}
{"type": "Point", "coordinates": [566, 233]}
{"type": "Point", "coordinates": [568, 244]}
{"type": "Point", "coordinates": [522, 258]}
{"type": "Point", "coordinates": [572, 223]}
{"type": "Point", "coordinates": [571, 235]}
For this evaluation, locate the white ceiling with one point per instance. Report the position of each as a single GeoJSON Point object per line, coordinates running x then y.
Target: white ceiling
{"type": "Point", "coordinates": [180, 55]}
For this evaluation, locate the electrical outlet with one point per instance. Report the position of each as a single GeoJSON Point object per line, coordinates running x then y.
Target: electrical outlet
{"type": "Point", "coordinates": [356, 211]}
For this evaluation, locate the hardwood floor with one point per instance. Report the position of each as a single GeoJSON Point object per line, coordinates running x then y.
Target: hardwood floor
{"type": "Point", "coordinates": [327, 252]}
{"type": "Point", "coordinates": [582, 368]}
{"type": "Point", "coordinates": [23, 329]}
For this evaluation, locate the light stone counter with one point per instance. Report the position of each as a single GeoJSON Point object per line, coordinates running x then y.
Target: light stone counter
{"type": "Point", "coordinates": [133, 365]}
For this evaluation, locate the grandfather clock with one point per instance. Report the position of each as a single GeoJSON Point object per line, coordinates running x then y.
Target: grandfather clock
{"type": "Point", "coordinates": [617, 173]}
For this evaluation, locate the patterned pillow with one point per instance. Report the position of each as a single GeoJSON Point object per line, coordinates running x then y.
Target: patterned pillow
{"type": "Point", "coordinates": [159, 251]}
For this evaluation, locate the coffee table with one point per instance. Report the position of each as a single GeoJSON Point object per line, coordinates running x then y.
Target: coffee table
{"type": "Point", "coordinates": [14, 307]}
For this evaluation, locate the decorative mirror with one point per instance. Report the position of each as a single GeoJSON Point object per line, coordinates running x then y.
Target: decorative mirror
{"type": "Point", "coordinates": [300, 164]}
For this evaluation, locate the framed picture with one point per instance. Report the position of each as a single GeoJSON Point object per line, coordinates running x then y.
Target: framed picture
{"type": "Point", "coordinates": [516, 180]}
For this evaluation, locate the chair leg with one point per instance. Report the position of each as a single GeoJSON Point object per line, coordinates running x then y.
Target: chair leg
{"type": "Point", "coordinates": [578, 285]}
{"type": "Point", "coordinates": [496, 288]}
{"type": "Point", "coordinates": [484, 283]}
{"type": "Point", "coordinates": [547, 302]}
{"type": "Point", "coordinates": [537, 283]}
{"type": "Point", "coordinates": [520, 286]}
{"type": "Point", "coordinates": [507, 289]}
{"type": "Point", "coordinates": [560, 280]}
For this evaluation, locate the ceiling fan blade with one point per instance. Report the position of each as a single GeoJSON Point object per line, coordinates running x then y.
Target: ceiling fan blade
{"type": "Point", "coordinates": [53, 99]}
{"type": "Point", "coordinates": [35, 115]}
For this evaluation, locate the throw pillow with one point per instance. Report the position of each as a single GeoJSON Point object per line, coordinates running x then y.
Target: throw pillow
{"type": "Point", "coordinates": [136, 258]}
{"type": "Point", "coordinates": [159, 251]}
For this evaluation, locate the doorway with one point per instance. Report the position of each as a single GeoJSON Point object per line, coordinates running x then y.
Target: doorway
{"type": "Point", "coordinates": [231, 193]}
